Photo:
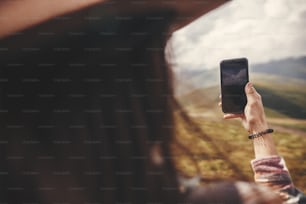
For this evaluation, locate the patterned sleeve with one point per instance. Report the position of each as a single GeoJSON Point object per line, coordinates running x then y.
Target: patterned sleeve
{"type": "Point", "coordinates": [272, 172]}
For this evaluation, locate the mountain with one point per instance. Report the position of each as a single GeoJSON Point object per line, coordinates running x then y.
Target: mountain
{"type": "Point", "coordinates": [189, 80]}
{"type": "Point", "coordinates": [287, 69]}
{"type": "Point", "coordinates": [282, 85]}
{"type": "Point", "coordinates": [290, 67]}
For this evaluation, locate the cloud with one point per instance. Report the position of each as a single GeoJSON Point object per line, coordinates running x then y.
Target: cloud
{"type": "Point", "coordinates": [260, 30]}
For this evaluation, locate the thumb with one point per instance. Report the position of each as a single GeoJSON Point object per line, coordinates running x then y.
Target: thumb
{"type": "Point", "coordinates": [251, 93]}
{"type": "Point", "coordinates": [249, 89]}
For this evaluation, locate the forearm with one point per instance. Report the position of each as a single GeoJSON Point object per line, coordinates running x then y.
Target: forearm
{"type": "Point", "coordinates": [264, 146]}
{"type": "Point", "coordinates": [269, 168]}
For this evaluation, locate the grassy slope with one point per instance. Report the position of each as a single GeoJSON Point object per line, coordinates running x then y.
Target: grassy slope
{"type": "Point", "coordinates": [285, 96]}
{"type": "Point", "coordinates": [222, 151]}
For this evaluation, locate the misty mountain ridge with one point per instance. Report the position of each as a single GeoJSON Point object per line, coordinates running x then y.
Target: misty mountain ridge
{"type": "Point", "coordinates": [288, 69]}
{"type": "Point", "coordinates": [281, 83]}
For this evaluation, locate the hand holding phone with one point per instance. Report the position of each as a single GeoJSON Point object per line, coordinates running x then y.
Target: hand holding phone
{"type": "Point", "coordinates": [234, 77]}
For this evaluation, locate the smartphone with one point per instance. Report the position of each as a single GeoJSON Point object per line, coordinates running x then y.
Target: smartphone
{"type": "Point", "coordinates": [234, 76]}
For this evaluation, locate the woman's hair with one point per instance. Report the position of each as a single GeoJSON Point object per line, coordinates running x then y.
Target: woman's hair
{"type": "Point", "coordinates": [85, 111]}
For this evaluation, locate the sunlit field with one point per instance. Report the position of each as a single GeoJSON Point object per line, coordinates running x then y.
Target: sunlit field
{"type": "Point", "coordinates": [217, 149]}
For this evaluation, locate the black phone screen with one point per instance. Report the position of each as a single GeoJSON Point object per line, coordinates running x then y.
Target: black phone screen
{"type": "Point", "coordinates": [234, 77]}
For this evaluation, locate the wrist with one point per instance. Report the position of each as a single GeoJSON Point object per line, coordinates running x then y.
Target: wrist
{"type": "Point", "coordinates": [261, 133]}
{"type": "Point", "coordinates": [265, 149]}
{"type": "Point", "coordinates": [264, 144]}
{"type": "Point", "coordinates": [258, 128]}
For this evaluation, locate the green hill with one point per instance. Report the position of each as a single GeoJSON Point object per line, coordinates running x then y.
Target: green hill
{"type": "Point", "coordinates": [280, 99]}
{"type": "Point", "coordinates": [286, 96]}
{"type": "Point", "coordinates": [290, 72]}
{"type": "Point", "coordinates": [288, 68]}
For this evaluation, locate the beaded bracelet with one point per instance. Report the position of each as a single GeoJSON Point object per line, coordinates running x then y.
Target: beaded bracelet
{"type": "Point", "coordinates": [259, 134]}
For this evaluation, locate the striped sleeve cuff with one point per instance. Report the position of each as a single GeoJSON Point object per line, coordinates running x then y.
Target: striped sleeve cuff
{"type": "Point", "coordinates": [272, 171]}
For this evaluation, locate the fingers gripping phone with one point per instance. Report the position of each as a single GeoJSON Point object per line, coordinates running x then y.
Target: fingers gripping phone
{"type": "Point", "coordinates": [234, 77]}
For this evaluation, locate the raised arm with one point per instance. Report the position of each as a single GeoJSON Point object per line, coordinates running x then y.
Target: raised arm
{"type": "Point", "coordinates": [269, 168]}
{"type": "Point", "coordinates": [254, 121]}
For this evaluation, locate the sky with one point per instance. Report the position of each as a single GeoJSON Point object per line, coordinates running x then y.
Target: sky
{"type": "Point", "coordinates": [261, 30]}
